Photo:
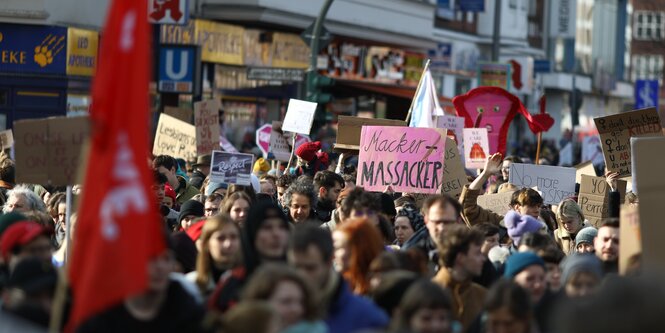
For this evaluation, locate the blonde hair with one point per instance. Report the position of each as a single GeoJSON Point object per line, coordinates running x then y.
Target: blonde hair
{"type": "Point", "coordinates": [569, 209]}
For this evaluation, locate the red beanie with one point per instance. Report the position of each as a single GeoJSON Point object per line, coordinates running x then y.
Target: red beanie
{"type": "Point", "coordinates": [307, 151]}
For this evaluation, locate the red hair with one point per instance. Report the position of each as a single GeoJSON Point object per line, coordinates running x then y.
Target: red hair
{"type": "Point", "coordinates": [365, 243]}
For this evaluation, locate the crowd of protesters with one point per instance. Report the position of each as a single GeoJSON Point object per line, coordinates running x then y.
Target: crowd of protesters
{"type": "Point", "coordinates": [305, 250]}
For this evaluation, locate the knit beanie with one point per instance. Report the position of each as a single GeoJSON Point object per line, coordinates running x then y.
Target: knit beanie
{"type": "Point", "coordinates": [190, 207]}
{"type": "Point", "coordinates": [170, 192]}
{"type": "Point", "coordinates": [214, 186]}
{"type": "Point", "coordinates": [185, 251]}
{"type": "Point", "coordinates": [586, 235]}
{"type": "Point", "coordinates": [519, 225]}
{"type": "Point", "coordinates": [261, 166]}
{"type": "Point", "coordinates": [307, 151]}
{"type": "Point", "coordinates": [580, 262]}
{"type": "Point", "coordinates": [520, 261]}
{"type": "Point", "coordinates": [411, 212]}
{"type": "Point", "coordinates": [8, 219]}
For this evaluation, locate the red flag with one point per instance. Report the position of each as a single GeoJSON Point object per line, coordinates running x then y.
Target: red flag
{"type": "Point", "coordinates": [118, 228]}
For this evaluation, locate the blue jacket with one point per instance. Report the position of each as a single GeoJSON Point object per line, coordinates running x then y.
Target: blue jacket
{"type": "Point", "coordinates": [349, 313]}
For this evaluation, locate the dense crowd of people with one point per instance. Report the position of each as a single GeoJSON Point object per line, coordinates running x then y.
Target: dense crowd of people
{"type": "Point", "coordinates": [305, 250]}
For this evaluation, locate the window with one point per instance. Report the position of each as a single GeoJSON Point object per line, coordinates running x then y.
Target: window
{"type": "Point", "coordinates": [649, 25]}
{"type": "Point", "coordinates": [647, 66]}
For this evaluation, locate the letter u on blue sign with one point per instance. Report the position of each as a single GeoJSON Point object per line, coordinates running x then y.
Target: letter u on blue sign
{"type": "Point", "coordinates": [181, 71]}
{"type": "Point", "coordinates": [176, 64]}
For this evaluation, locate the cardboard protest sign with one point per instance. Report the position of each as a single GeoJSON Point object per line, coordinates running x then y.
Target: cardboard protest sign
{"type": "Point", "coordinates": [182, 114]}
{"type": "Point", "coordinates": [299, 116]}
{"type": "Point", "coordinates": [498, 203]}
{"type": "Point", "coordinates": [555, 183]}
{"type": "Point", "coordinates": [49, 150]}
{"type": "Point", "coordinates": [585, 168]}
{"type": "Point", "coordinates": [231, 168]}
{"type": "Point", "coordinates": [349, 128]}
{"type": "Point", "coordinates": [280, 142]}
{"type": "Point", "coordinates": [454, 177]}
{"type": "Point", "coordinates": [455, 125]}
{"type": "Point", "coordinates": [408, 159]}
{"type": "Point", "coordinates": [476, 147]}
{"type": "Point", "coordinates": [175, 138]}
{"type": "Point", "coordinates": [6, 139]}
{"type": "Point", "coordinates": [206, 120]}
{"type": "Point", "coordinates": [630, 238]}
{"type": "Point", "coordinates": [594, 198]}
{"type": "Point", "coordinates": [615, 132]}
{"type": "Point", "coordinates": [648, 179]}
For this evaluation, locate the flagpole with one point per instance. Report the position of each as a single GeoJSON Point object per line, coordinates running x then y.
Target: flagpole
{"type": "Point", "coordinates": [420, 84]}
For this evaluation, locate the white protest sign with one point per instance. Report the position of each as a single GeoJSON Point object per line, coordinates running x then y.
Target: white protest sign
{"type": "Point", "coordinates": [299, 116]}
{"type": "Point", "coordinates": [456, 127]}
{"type": "Point", "coordinates": [476, 147]}
{"type": "Point", "coordinates": [555, 183]}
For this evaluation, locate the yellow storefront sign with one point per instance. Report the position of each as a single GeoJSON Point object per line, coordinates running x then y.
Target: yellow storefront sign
{"type": "Point", "coordinates": [82, 46]}
{"type": "Point", "coordinates": [220, 43]}
{"type": "Point", "coordinates": [289, 51]}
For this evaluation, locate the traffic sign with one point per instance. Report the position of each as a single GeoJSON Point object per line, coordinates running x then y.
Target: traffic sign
{"type": "Point", "coordinates": [263, 139]}
{"type": "Point", "coordinates": [324, 39]}
{"type": "Point", "coordinates": [646, 94]}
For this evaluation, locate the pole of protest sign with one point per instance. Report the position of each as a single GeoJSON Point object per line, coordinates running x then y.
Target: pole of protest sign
{"type": "Point", "coordinates": [420, 84]}
{"type": "Point", "coordinates": [293, 152]}
{"type": "Point", "coordinates": [68, 226]}
{"type": "Point", "coordinates": [540, 139]}
{"type": "Point", "coordinates": [60, 296]}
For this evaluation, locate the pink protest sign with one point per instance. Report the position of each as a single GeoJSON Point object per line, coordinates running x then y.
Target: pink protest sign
{"type": "Point", "coordinates": [407, 159]}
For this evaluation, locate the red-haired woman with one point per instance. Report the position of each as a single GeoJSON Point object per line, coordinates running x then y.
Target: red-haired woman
{"type": "Point", "coordinates": [357, 242]}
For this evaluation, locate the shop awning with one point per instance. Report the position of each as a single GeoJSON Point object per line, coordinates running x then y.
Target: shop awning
{"type": "Point", "coordinates": [390, 90]}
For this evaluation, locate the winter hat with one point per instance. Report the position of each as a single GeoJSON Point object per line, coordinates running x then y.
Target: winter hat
{"type": "Point", "coordinates": [184, 250]}
{"type": "Point", "coordinates": [307, 151]}
{"type": "Point", "coordinates": [411, 212]}
{"type": "Point", "coordinates": [520, 261]}
{"type": "Point", "coordinates": [6, 220]}
{"type": "Point", "coordinates": [18, 234]}
{"type": "Point", "coordinates": [519, 225]}
{"type": "Point", "coordinates": [170, 192]}
{"type": "Point", "coordinates": [33, 275]}
{"type": "Point", "coordinates": [214, 186]}
{"type": "Point", "coordinates": [261, 166]}
{"type": "Point", "coordinates": [190, 207]}
{"type": "Point", "coordinates": [194, 231]}
{"type": "Point", "coordinates": [586, 235]}
{"type": "Point", "coordinates": [580, 262]}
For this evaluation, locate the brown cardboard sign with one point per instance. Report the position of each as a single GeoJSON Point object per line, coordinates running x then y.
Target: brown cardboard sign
{"type": "Point", "coordinates": [630, 243]}
{"type": "Point", "coordinates": [649, 182]}
{"type": "Point", "coordinates": [594, 197]}
{"type": "Point", "coordinates": [349, 128]}
{"type": "Point", "coordinates": [615, 132]}
{"type": "Point", "coordinates": [48, 151]}
{"type": "Point", "coordinates": [585, 168]}
{"type": "Point", "coordinates": [206, 120]}
{"type": "Point", "coordinates": [454, 177]}
{"type": "Point", "coordinates": [498, 203]}
{"type": "Point", "coordinates": [182, 114]}
{"type": "Point", "coordinates": [175, 138]}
